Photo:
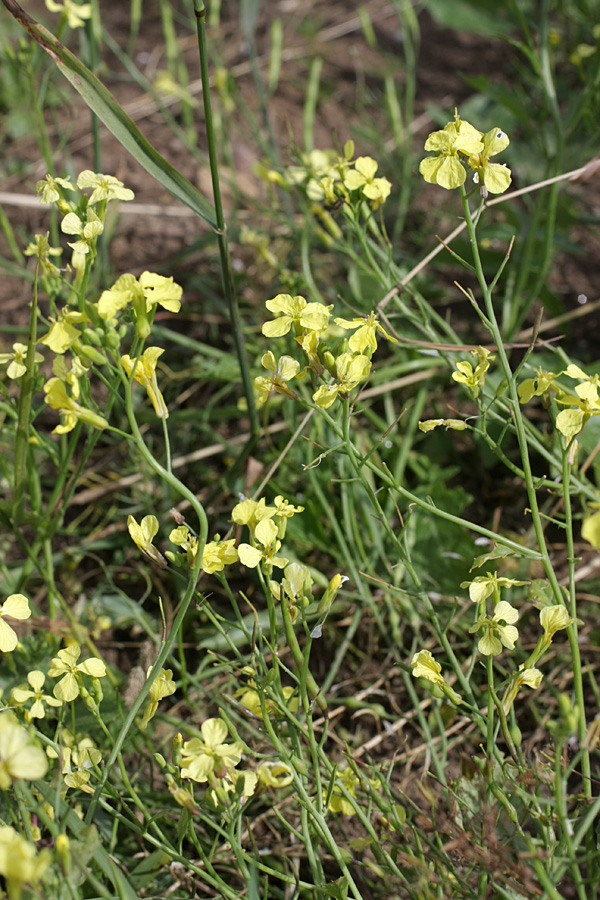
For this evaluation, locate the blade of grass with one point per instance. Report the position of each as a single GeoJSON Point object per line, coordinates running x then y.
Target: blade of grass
{"type": "Point", "coordinates": [99, 99]}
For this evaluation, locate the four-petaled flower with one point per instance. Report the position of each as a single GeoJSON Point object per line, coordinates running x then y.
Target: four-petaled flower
{"type": "Point", "coordinates": [14, 607]}
{"type": "Point", "coordinates": [364, 340]}
{"type": "Point", "coordinates": [202, 757]}
{"type": "Point", "coordinates": [350, 371]}
{"type": "Point", "coordinates": [105, 187]}
{"type": "Point", "coordinates": [63, 334]}
{"type": "Point", "coordinates": [282, 371]}
{"type": "Point", "coordinates": [41, 249]}
{"type": "Point", "coordinates": [16, 360]}
{"type": "Point", "coordinates": [570, 421]}
{"type": "Point", "coordinates": [21, 695]}
{"type": "Point", "coordinates": [446, 168]}
{"type": "Point", "coordinates": [265, 534]}
{"type": "Point", "coordinates": [76, 13]}
{"type": "Point", "coordinates": [499, 629]}
{"type": "Point", "coordinates": [495, 177]}
{"type": "Point", "coordinates": [218, 554]}
{"type": "Point", "coordinates": [48, 189]}
{"type": "Point", "coordinates": [363, 177]}
{"type": "Point", "coordinates": [484, 586]}
{"type": "Point", "coordinates": [88, 231]}
{"type": "Point", "coordinates": [65, 664]}
{"type": "Point", "coordinates": [250, 512]}
{"type": "Point", "coordinates": [145, 374]}
{"type": "Point", "coordinates": [297, 312]}
{"type": "Point", "coordinates": [142, 535]}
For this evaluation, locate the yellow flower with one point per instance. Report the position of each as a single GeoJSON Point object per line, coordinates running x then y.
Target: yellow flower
{"type": "Point", "coordinates": [425, 666]}
{"type": "Point", "coordinates": [338, 802]}
{"type": "Point", "coordinates": [158, 289]}
{"type": "Point", "coordinates": [16, 360]}
{"type": "Point", "coordinates": [19, 758]}
{"type": "Point", "coordinates": [21, 695]}
{"type": "Point", "coordinates": [67, 405]}
{"type": "Point", "coordinates": [499, 629]}
{"type": "Point", "coordinates": [265, 534]}
{"type": "Point", "coordinates": [553, 619]}
{"type": "Point", "coordinates": [65, 664]}
{"type": "Point", "coordinates": [250, 699]}
{"type": "Point", "coordinates": [217, 555]}
{"type": "Point", "coordinates": [79, 755]}
{"type": "Point", "coordinates": [48, 189]}
{"type": "Point", "coordinates": [365, 338]}
{"type": "Point", "coordinates": [297, 312]}
{"type": "Point", "coordinates": [539, 386]}
{"type": "Point", "coordinates": [570, 421]}
{"type": "Point", "coordinates": [76, 13]}
{"type": "Point", "coordinates": [484, 586]}
{"type": "Point", "coordinates": [162, 686]}
{"type": "Point", "coordinates": [285, 511]}
{"type": "Point", "coordinates": [350, 371]}
{"type": "Point", "coordinates": [493, 176]}
{"type": "Point", "coordinates": [20, 863]}
{"type": "Point", "coordinates": [363, 177]}
{"type": "Point", "coordinates": [446, 168]}
{"type": "Point", "coordinates": [41, 249]}
{"type": "Point", "coordinates": [142, 536]}
{"type": "Point", "coordinates": [105, 187]}
{"type": "Point", "coordinates": [14, 607]}
{"type": "Point", "coordinates": [282, 371]}
{"type": "Point", "coordinates": [88, 231]}
{"type": "Point", "coordinates": [145, 374]}
{"type": "Point", "coordinates": [530, 676]}
{"type": "Point", "coordinates": [274, 774]}
{"type": "Point", "coordinates": [251, 512]}
{"type": "Point", "coordinates": [63, 334]}
{"type": "Point", "coordinates": [590, 530]}
{"type": "Point", "coordinates": [211, 754]}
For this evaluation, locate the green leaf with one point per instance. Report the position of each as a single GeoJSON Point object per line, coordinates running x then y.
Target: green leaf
{"type": "Point", "coordinates": [498, 552]}
{"type": "Point", "coordinates": [103, 104]}
{"type": "Point", "coordinates": [336, 889]}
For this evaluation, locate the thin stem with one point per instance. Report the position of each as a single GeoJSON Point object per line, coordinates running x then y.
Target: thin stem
{"type": "Point", "coordinates": [226, 270]}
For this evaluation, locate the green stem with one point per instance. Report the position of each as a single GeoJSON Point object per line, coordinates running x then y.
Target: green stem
{"type": "Point", "coordinates": [24, 411]}
{"type": "Point", "coordinates": [572, 634]}
{"type": "Point", "coordinates": [185, 602]}
{"type": "Point", "coordinates": [221, 231]}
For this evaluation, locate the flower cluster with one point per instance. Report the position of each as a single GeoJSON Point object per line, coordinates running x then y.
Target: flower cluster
{"type": "Point", "coordinates": [579, 406]}
{"type": "Point", "coordinates": [327, 177]}
{"type": "Point", "coordinates": [309, 322]}
{"type": "Point", "coordinates": [210, 759]}
{"type": "Point", "coordinates": [460, 147]}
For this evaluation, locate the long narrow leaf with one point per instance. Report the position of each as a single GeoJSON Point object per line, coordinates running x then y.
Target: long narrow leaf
{"type": "Point", "coordinates": [102, 102]}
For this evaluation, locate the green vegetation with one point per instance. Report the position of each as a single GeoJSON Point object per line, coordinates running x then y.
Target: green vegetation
{"type": "Point", "coordinates": [300, 515]}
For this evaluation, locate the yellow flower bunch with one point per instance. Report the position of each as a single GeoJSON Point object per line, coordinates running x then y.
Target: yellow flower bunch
{"type": "Point", "coordinates": [459, 143]}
